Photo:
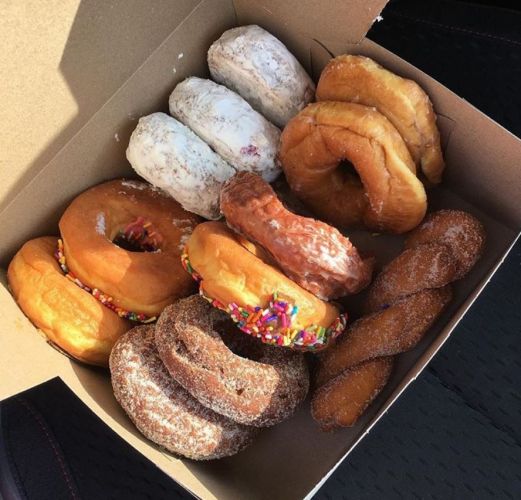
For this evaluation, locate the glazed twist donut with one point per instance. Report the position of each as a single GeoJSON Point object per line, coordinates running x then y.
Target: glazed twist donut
{"type": "Point", "coordinates": [388, 196]}
{"type": "Point", "coordinates": [314, 255]}
{"type": "Point", "coordinates": [361, 80]}
{"type": "Point", "coordinates": [403, 302]}
{"type": "Point", "coordinates": [162, 410]}
{"type": "Point", "coordinates": [260, 391]}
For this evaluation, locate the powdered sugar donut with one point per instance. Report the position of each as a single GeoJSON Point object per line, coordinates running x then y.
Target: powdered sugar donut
{"type": "Point", "coordinates": [171, 157]}
{"type": "Point", "coordinates": [162, 410]}
{"type": "Point", "coordinates": [259, 67]}
{"type": "Point", "coordinates": [224, 120]}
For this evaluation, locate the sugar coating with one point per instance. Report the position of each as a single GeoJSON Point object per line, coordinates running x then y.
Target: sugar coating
{"type": "Point", "coordinates": [224, 120]}
{"type": "Point", "coordinates": [258, 392]}
{"type": "Point", "coordinates": [100, 223]}
{"type": "Point", "coordinates": [162, 410]}
{"type": "Point", "coordinates": [460, 231]}
{"type": "Point", "coordinates": [171, 157]}
{"type": "Point", "coordinates": [258, 66]}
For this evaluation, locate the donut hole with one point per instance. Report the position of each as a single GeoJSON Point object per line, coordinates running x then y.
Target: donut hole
{"type": "Point", "coordinates": [238, 342]}
{"type": "Point", "coordinates": [346, 170]}
{"type": "Point", "coordinates": [138, 236]}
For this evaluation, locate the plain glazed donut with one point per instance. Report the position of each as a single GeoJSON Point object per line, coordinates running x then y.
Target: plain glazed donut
{"type": "Point", "coordinates": [261, 392]}
{"type": "Point", "coordinates": [70, 317]}
{"type": "Point", "coordinates": [258, 66]}
{"type": "Point", "coordinates": [389, 197]}
{"type": "Point", "coordinates": [148, 275]}
{"type": "Point", "coordinates": [258, 297]}
{"type": "Point", "coordinates": [225, 121]}
{"type": "Point", "coordinates": [162, 410]}
{"type": "Point", "coordinates": [361, 80]}
{"type": "Point", "coordinates": [314, 255]}
{"type": "Point", "coordinates": [171, 157]}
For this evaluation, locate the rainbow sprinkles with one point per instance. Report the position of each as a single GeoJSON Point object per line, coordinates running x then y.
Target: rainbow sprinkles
{"type": "Point", "coordinates": [106, 300]}
{"type": "Point", "coordinates": [273, 324]}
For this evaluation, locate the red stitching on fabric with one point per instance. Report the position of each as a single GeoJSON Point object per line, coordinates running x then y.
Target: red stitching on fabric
{"type": "Point", "coordinates": [57, 453]}
{"type": "Point", "coordinates": [455, 28]}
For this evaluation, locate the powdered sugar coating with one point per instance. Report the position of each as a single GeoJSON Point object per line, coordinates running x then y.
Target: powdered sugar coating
{"type": "Point", "coordinates": [224, 120]}
{"type": "Point", "coordinates": [260, 392]}
{"type": "Point", "coordinates": [259, 67]}
{"type": "Point", "coordinates": [162, 410]}
{"type": "Point", "coordinates": [171, 157]}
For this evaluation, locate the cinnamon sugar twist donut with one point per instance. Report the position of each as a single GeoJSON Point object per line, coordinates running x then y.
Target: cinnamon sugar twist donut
{"type": "Point", "coordinates": [260, 392]}
{"type": "Point", "coordinates": [313, 254]}
{"type": "Point", "coordinates": [162, 410]}
{"type": "Point", "coordinates": [402, 304]}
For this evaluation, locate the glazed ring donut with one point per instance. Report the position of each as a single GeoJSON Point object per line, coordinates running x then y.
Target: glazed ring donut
{"type": "Point", "coordinates": [162, 410]}
{"type": "Point", "coordinates": [225, 121]}
{"type": "Point", "coordinates": [389, 197]}
{"type": "Point", "coordinates": [240, 280]}
{"type": "Point", "coordinates": [256, 65]}
{"type": "Point", "coordinates": [260, 392]}
{"type": "Point", "coordinates": [314, 255]}
{"type": "Point", "coordinates": [361, 80]}
{"type": "Point", "coordinates": [70, 317]}
{"type": "Point", "coordinates": [171, 157]}
{"type": "Point", "coordinates": [124, 238]}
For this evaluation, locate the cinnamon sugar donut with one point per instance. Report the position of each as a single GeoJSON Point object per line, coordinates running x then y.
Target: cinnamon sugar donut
{"type": "Point", "coordinates": [162, 410]}
{"type": "Point", "coordinates": [460, 231]}
{"type": "Point", "coordinates": [313, 254]}
{"type": "Point", "coordinates": [260, 392]}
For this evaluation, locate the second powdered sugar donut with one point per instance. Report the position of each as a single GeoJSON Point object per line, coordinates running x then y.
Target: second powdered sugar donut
{"type": "Point", "coordinates": [261, 69]}
{"type": "Point", "coordinates": [225, 121]}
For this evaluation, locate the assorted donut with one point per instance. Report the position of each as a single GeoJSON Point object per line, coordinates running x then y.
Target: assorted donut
{"type": "Point", "coordinates": [201, 290]}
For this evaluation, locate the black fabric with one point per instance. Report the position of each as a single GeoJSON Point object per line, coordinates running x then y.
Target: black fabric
{"type": "Point", "coordinates": [455, 433]}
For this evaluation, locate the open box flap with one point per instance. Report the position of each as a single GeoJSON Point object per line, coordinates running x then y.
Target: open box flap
{"type": "Point", "coordinates": [64, 60]}
{"type": "Point", "coordinates": [350, 23]}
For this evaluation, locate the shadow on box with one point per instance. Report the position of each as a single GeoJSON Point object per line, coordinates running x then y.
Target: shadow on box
{"type": "Point", "coordinates": [80, 65]}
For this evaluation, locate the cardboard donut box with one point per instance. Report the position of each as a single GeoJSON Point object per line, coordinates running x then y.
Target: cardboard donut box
{"type": "Point", "coordinates": [82, 73]}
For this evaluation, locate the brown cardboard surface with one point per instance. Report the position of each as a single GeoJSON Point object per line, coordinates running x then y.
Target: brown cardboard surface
{"type": "Point", "coordinates": [481, 178]}
{"type": "Point", "coordinates": [60, 62]}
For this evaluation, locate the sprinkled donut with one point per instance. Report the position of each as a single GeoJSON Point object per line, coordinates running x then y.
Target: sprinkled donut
{"type": "Point", "coordinates": [239, 277]}
{"type": "Point", "coordinates": [225, 121]}
{"type": "Point", "coordinates": [261, 391]}
{"type": "Point", "coordinates": [258, 66]}
{"type": "Point", "coordinates": [162, 410]}
{"type": "Point", "coordinates": [122, 242]}
{"type": "Point", "coordinates": [171, 157]}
